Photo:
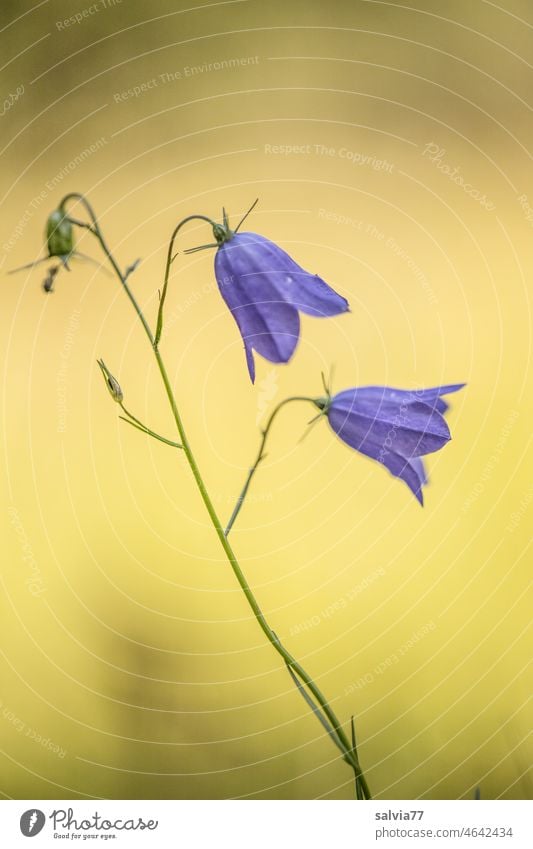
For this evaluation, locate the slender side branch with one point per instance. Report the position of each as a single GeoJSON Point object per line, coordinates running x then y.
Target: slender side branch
{"type": "Point", "coordinates": [260, 456]}
{"type": "Point", "coordinates": [170, 259]}
{"type": "Point", "coordinates": [130, 419]}
{"type": "Point", "coordinates": [94, 228]}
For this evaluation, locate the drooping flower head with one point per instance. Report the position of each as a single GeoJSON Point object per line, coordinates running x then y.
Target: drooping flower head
{"type": "Point", "coordinates": [396, 427]}
{"type": "Point", "coordinates": [59, 237]}
{"type": "Point", "coordinates": [266, 290]}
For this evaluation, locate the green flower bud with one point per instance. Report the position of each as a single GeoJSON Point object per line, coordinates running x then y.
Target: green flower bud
{"type": "Point", "coordinates": [112, 383]}
{"type": "Point", "coordinates": [59, 237]}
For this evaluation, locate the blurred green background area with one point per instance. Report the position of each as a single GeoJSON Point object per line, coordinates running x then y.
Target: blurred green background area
{"type": "Point", "coordinates": [389, 147]}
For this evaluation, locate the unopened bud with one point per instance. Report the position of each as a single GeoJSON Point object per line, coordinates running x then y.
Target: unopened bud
{"type": "Point", "coordinates": [59, 236]}
{"type": "Point", "coordinates": [112, 383]}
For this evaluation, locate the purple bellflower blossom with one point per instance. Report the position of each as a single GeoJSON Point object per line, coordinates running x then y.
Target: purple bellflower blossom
{"type": "Point", "coordinates": [396, 427]}
{"type": "Point", "coordinates": [266, 290]}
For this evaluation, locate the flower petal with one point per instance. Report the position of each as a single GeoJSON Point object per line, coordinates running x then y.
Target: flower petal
{"type": "Point", "coordinates": [250, 362]}
{"type": "Point", "coordinates": [418, 465]}
{"type": "Point", "coordinates": [312, 295]}
{"type": "Point", "coordinates": [432, 396]}
{"type": "Point", "coordinates": [428, 396]}
{"type": "Point", "coordinates": [368, 417]}
{"type": "Point", "coordinates": [268, 324]}
{"type": "Point", "coordinates": [408, 471]}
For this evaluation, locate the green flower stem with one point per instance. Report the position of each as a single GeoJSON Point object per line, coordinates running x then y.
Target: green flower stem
{"type": "Point", "coordinates": [359, 788]}
{"type": "Point", "coordinates": [94, 228]}
{"type": "Point", "coordinates": [131, 420]}
{"type": "Point", "coordinates": [170, 259]}
{"type": "Point", "coordinates": [349, 755]}
{"type": "Point", "coordinates": [260, 456]}
{"type": "Point", "coordinates": [243, 583]}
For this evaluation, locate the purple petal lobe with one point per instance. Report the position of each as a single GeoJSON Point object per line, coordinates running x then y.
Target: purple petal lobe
{"type": "Point", "coordinates": [407, 472]}
{"type": "Point", "coordinates": [312, 295]}
{"type": "Point", "coordinates": [418, 465]}
{"type": "Point", "coordinates": [308, 292]}
{"type": "Point", "coordinates": [432, 396]}
{"type": "Point", "coordinates": [369, 418]}
{"type": "Point", "coordinates": [250, 362]}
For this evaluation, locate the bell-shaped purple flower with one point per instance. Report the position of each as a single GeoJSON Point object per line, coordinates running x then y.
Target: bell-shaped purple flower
{"type": "Point", "coordinates": [266, 290]}
{"type": "Point", "coordinates": [396, 427]}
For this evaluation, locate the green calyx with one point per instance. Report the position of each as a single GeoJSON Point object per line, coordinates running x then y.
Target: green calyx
{"type": "Point", "coordinates": [322, 403]}
{"type": "Point", "coordinates": [222, 232]}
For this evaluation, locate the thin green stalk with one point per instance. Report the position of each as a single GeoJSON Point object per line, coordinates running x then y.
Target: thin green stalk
{"type": "Point", "coordinates": [95, 229]}
{"type": "Point", "coordinates": [243, 583]}
{"type": "Point", "coordinates": [260, 456]}
{"type": "Point", "coordinates": [134, 422]}
{"type": "Point", "coordinates": [270, 635]}
{"type": "Point", "coordinates": [170, 259]}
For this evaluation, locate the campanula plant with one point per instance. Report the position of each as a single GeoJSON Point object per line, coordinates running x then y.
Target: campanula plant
{"type": "Point", "coordinates": [266, 290]}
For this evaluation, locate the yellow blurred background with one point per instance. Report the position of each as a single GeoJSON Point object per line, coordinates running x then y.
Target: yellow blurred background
{"type": "Point", "coordinates": [388, 147]}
